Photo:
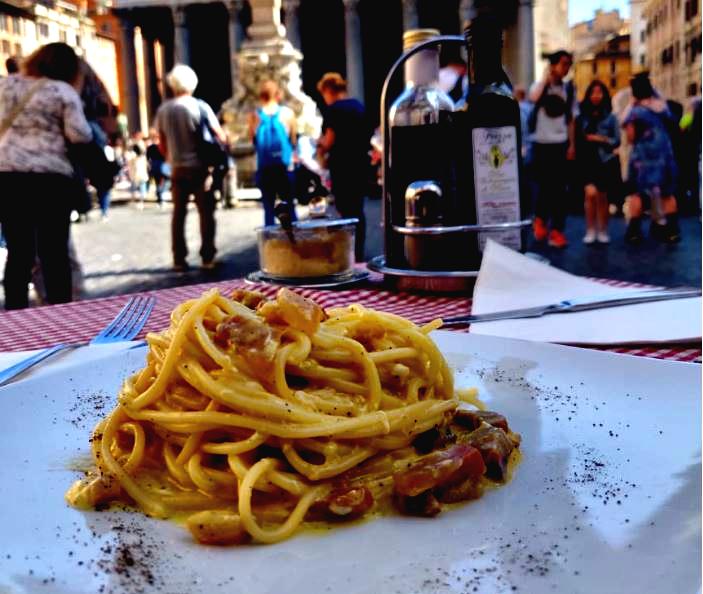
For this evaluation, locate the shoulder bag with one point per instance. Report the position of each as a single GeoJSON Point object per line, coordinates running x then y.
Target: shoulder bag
{"type": "Point", "coordinates": [211, 152]}
{"type": "Point", "coordinates": [10, 118]}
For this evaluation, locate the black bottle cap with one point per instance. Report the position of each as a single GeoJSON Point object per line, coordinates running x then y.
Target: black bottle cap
{"type": "Point", "coordinates": [484, 28]}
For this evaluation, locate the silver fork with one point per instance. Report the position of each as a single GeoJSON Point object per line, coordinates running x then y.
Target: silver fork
{"type": "Point", "coordinates": [125, 326]}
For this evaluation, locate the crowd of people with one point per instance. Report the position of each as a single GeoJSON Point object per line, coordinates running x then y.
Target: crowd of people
{"type": "Point", "coordinates": [63, 147]}
{"type": "Point", "coordinates": [62, 142]}
{"type": "Point", "coordinates": [636, 153]}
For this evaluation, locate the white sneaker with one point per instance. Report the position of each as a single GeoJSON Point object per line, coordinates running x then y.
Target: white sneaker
{"type": "Point", "coordinates": [603, 237]}
{"type": "Point", "coordinates": [590, 237]}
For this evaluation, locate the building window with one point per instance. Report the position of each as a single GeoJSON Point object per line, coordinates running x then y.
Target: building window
{"type": "Point", "coordinates": [3, 22]}
{"type": "Point", "coordinates": [641, 59]}
{"type": "Point", "coordinates": [62, 36]}
{"type": "Point", "coordinates": [613, 82]}
{"type": "Point", "coordinates": [692, 90]}
{"type": "Point", "coordinates": [43, 30]}
{"type": "Point", "coordinates": [6, 47]}
{"type": "Point", "coordinates": [691, 9]}
{"type": "Point", "coordinates": [667, 55]}
{"type": "Point", "coordinates": [613, 66]}
{"type": "Point", "coordinates": [18, 50]}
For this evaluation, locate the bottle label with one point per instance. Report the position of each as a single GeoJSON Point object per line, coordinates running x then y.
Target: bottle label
{"type": "Point", "coordinates": [497, 183]}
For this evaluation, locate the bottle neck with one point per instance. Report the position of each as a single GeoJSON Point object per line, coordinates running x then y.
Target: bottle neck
{"type": "Point", "coordinates": [485, 64]}
{"type": "Point", "coordinates": [484, 44]}
{"type": "Point", "coordinates": [422, 69]}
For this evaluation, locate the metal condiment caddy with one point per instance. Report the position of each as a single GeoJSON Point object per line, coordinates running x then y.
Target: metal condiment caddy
{"type": "Point", "coordinates": [425, 236]}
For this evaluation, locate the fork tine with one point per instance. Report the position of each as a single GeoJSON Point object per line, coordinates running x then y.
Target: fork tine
{"type": "Point", "coordinates": [105, 332]}
{"type": "Point", "coordinates": [128, 330]}
{"type": "Point", "coordinates": [127, 322]}
{"type": "Point", "coordinates": [141, 320]}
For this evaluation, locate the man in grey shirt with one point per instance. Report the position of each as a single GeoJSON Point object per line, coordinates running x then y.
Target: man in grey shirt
{"type": "Point", "coordinates": [178, 125]}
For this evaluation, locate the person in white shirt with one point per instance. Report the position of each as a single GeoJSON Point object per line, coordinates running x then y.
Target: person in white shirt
{"type": "Point", "coordinates": [552, 140]}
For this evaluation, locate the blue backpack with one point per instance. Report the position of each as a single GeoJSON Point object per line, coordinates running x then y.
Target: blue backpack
{"type": "Point", "coordinates": [273, 146]}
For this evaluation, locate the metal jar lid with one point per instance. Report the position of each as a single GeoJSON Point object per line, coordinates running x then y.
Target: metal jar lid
{"type": "Point", "coordinates": [315, 224]}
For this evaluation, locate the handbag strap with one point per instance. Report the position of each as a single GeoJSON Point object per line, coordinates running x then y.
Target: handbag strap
{"type": "Point", "coordinates": [10, 118]}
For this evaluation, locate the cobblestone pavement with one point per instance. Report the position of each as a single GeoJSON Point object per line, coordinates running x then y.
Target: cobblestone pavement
{"type": "Point", "coordinates": [131, 251]}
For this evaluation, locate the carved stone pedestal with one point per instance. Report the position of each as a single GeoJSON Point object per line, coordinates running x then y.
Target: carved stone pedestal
{"type": "Point", "coordinates": [267, 54]}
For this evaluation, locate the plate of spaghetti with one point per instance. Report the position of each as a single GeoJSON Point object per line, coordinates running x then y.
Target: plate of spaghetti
{"type": "Point", "coordinates": [253, 416]}
{"type": "Point", "coordinates": [263, 445]}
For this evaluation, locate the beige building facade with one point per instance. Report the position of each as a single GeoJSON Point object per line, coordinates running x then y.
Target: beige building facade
{"type": "Point", "coordinates": [587, 35]}
{"type": "Point", "coordinates": [608, 61]}
{"type": "Point", "coordinates": [25, 26]}
{"type": "Point", "coordinates": [551, 30]}
{"type": "Point", "coordinates": [638, 35]}
{"type": "Point", "coordinates": [673, 46]}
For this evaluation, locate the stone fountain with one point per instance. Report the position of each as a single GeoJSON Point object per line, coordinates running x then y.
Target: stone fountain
{"type": "Point", "coordinates": [265, 54]}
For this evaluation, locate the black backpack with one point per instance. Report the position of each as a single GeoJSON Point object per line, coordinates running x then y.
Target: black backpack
{"type": "Point", "coordinates": [553, 105]}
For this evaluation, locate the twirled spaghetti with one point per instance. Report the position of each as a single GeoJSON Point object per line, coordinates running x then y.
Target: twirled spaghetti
{"type": "Point", "coordinates": [252, 416]}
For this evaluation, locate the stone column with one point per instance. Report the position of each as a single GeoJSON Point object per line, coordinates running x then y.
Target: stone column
{"type": "Point", "coordinates": [181, 37]}
{"type": "Point", "coordinates": [410, 16]}
{"type": "Point", "coordinates": [266, 20]}
{"type": "Point", "coordinates": [153, 95]}
{"type": "Point", "coordinates": [290, 8]}
{"type": "Point", "coordinates": [526, 42]}
{"type": "Point", "coordinates": [236, 36]}
{"type": "Point", "coordinates": [166, 63]}
{"type": "Point", "coordinates": [130, 88]}
{"type": "Point", "coordinates": [355, 64]}
{"type": "Point", "coordinates": [466, 12]}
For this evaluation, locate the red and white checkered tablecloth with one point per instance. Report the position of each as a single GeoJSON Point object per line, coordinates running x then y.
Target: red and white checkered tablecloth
{"type": "Point", "coordinates": [80, 321]}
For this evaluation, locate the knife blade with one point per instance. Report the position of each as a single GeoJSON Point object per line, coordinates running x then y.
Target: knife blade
{"type": "Point", "coordinates": [577, 304]}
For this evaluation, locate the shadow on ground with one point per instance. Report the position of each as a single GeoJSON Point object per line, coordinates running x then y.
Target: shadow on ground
{"type": "Point", "coordinates": [131, 252]}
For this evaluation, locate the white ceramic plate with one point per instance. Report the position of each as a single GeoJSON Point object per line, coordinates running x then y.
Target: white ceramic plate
{"type": "Point", "coordinates": [607, 498]}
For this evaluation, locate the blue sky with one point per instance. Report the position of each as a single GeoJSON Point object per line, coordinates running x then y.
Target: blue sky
{"type": "Point", "coordinates": [582, 10]}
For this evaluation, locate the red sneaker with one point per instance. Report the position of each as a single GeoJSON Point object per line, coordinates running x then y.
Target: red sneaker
{"type": "Point", "coordinates": [539, 229]}
{"type": "Point", "coordinates": [557, 239]}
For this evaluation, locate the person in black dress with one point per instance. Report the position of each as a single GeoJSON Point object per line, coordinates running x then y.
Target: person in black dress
{"type": "Point", "coordinates": [597, 136]}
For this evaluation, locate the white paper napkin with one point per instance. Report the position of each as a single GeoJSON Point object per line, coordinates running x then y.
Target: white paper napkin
{"type": "Point", "coordinates": [509, 280]}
